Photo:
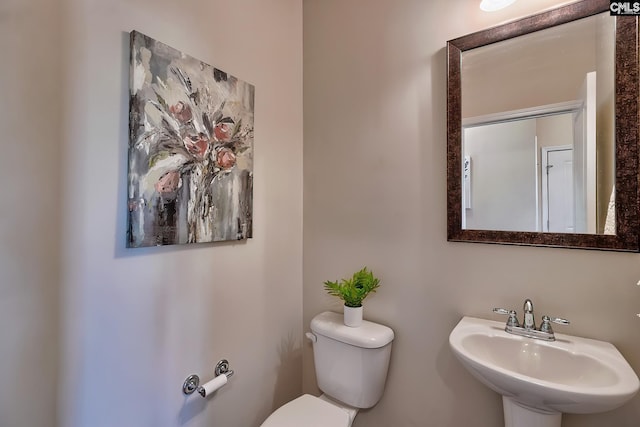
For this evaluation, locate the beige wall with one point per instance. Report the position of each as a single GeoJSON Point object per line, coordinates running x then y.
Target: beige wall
{"type": "Point", "coordinates": [375, 195]}
{"type": "Point", "coordinates": [136, 322]}
{"type": "Point", "coordinates": [542, 68]}
{"type": "Point", "coordinates": [30, 206]}
{"type": "Point", "coordinates": [605, 121]}
{"type": "Point", "coordinates": [503, 176]}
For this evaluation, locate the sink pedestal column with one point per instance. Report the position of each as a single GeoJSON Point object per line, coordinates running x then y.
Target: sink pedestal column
{"type": "Point", "coordinates": [516, 415]}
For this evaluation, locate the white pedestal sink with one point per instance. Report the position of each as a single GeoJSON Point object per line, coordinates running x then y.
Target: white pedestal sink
{"type": "Point", "coordinates": [540, 380]}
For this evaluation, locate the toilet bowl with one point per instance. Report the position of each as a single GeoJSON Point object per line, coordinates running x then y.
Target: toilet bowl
{"type": "Point", "coordinates": [351, 368]}
{"type": "Point", "coordinates": [311, 411]}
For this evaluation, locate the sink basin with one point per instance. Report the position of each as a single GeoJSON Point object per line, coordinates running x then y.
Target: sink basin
{"type": "Point", "coordinates": [571, 374]}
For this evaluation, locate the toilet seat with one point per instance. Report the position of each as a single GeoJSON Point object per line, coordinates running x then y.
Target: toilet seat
{"type": "Point", "coordinates": [308, 411]}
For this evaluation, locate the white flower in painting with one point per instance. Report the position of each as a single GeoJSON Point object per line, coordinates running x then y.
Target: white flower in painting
{"type": "Point", "coordinates": [140, 77]}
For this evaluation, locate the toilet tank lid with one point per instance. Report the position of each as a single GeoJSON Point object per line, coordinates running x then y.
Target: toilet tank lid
{"type": "Point", "coordinates": [368, 335]}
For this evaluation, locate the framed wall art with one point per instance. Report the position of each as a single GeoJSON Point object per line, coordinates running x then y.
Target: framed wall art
{"type": "Point", "coordinates": [190, 176]}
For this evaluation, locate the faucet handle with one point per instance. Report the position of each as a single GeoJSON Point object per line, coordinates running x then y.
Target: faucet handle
{"type": "Point", "coordinates": [545, 326]}
{"type": "Point", "coordinates": [512, 320]}
{"type": "Point", "coordinates": [560, 321]}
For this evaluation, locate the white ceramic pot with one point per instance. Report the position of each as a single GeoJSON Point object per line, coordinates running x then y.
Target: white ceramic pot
{"type": "Point", "coordinates": [353, 316]}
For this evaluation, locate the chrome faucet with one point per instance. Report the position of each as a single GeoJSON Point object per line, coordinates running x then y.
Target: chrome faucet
{"type": "Point", "coordinates": [528, 328]}
{"type": "Point", "coordinates": [529, 321]}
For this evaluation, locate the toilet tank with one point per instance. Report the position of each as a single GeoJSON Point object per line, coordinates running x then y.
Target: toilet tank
{"type": "Point", "coordinates": [351, 363]}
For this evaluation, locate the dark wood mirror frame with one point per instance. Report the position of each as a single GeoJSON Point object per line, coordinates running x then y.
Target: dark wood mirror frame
{"type": "Point", "coordinates": [627, 207]}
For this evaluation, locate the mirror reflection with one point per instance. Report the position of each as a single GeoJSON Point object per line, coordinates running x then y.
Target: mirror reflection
{"type": "Point", "coordinates": [538, 131]}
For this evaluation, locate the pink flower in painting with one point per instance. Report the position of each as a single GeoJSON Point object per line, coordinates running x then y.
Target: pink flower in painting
{"type": "Point", "coordinates": [225, 158]}
{"type": "Point", "coordinates": [196, 145]}
{"type": "Point", "coordinates": [222, 132]}
{"type": "Point", "coordinates": [168, 183]}
{"type": "Point", "coordinates": [181, 112]}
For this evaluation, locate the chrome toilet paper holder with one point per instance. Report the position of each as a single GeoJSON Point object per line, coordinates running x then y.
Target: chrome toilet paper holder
{"type": "Point", "coordinates": [192, 383]}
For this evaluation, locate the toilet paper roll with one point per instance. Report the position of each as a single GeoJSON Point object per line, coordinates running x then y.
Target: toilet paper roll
{"type": "Point", "coordinates": [213, 385]}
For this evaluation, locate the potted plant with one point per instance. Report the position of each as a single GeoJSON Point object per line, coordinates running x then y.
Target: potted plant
{"type": "Point", "coordinates": [352, 291]}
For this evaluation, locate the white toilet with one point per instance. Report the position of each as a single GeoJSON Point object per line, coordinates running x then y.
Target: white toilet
{"type": "Point", "coordinates": [351, 369]}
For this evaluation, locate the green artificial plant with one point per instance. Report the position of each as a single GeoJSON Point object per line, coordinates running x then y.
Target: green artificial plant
{"type": "Point", "coordinates": [353, 290]}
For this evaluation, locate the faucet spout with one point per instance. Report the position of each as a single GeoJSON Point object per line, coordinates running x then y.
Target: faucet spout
{"type": "Point", "coordinates": [529, 320]}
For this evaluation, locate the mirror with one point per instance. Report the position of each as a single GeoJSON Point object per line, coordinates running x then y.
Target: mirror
{"type": "Point", "coordinates": [542, 121]}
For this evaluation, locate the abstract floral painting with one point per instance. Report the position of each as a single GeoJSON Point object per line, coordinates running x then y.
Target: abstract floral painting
{"type": "Point", "coordinates": [190, 149]}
